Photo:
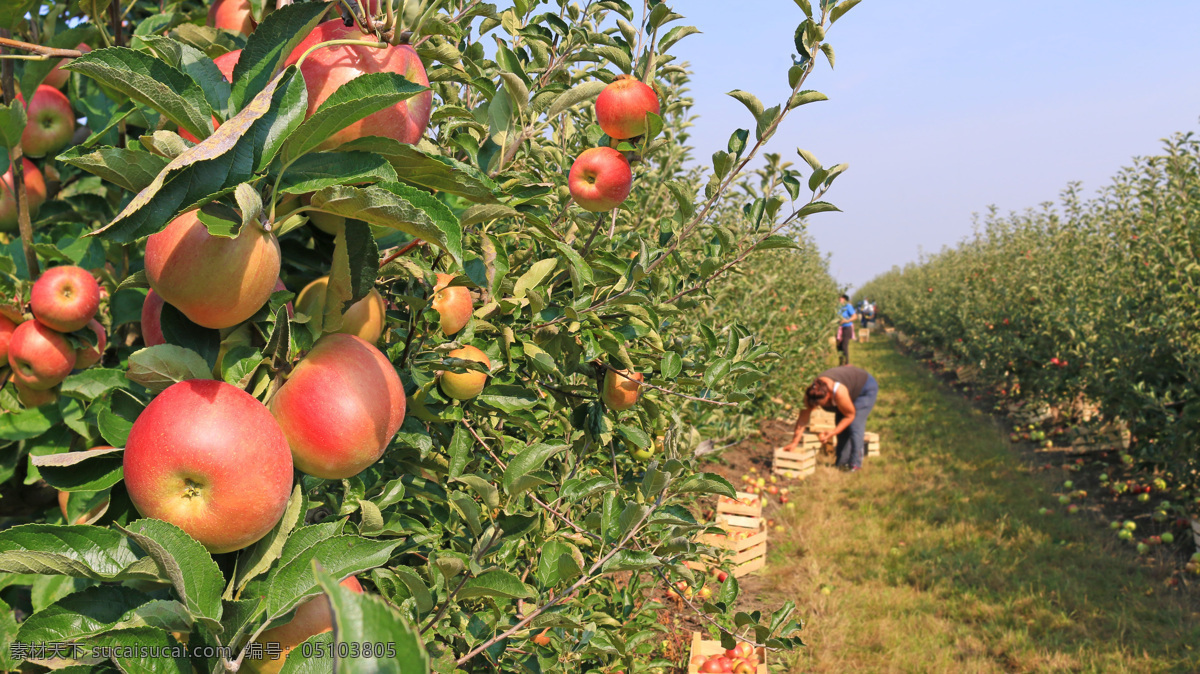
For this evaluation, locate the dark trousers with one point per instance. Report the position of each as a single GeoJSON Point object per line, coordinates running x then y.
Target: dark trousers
{"type": "Point", "coordinates": [850, 444]}
{"type": "Point", "coordinates": [845, 335]}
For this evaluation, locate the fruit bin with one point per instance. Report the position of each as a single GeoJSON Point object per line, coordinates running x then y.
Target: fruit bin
{"type": "Point", "coordinates": [744, 513]}
{"type": "Point", "coordinates": [872, 442]}
{"type": "Point", "coordinates": [707, 647]}
{"type": "Point", "coordinates": [798, 464]}
{"type": "Point", "coordinates": [864, 335]}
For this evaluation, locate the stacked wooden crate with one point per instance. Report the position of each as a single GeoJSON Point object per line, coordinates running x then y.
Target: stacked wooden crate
{"type": "Point", "coordinates": [822, 421]}
{"type": "Point", "coordinates": [745, 532]}
{"type": "Point", "coordinates": [702, 649]}
{"type": "Point", "coordinates": [872, 442]}
{"type": "Point", "coordinates": [800, 463]}
{"type": "Point", "coordinates": [864, 334]}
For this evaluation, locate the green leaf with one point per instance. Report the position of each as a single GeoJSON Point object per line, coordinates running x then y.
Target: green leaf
{"type": "Point", "coordinates": [534, 277]}
{"type": "Point", "coordinates": [151, 82]}
{"type": "Point", "coordinates": [81, 551]}
{"type": "Point", "coordinates": [705, 483]}
{"type": "Point", "coordinates": [508, 398]}
{"type": "Point", "coordinates": [189, 567]}
{"type": "Point", "coordinates": [157, 367]}
{"type": "Point", "coordinates": [460, 450]}
{"type": "Point", "coordinates": [12, 126]}
{"type": "Point", "coordinates": [716, 371]}
{"type": "Point", "coordinates": [580, 93]}
{"type": "Point", "coordinates": [809, 158]}
{"type": "Point", "coordinates": [777, 241]}
{"type": "Point", "coordinates": [218, 163]}
{"type": "Point", "coordinates": [255, 560]}
{"type": "Point", "coordinates": [317, 170]}
{"type": "Point", "coordinates": [140, 650]}
{"type": "Point", "coordinates": [195, 64]}
{"type": "Point", "coordinates": [93, 383]}
{"type": "Point", "coordinates": [840, 10]}
{"type": "Point", "coordinates": [85, 614]}
{"type": "Point", "coordinates": [671, 365]}
{"type": "Point", "coordinates": [396, 206]}
{"type": "Point", "coordinates": [28, 424]}
{"type": "Point", "coordinates": [269, 46]}
{"type": "Point", "coordinates": [130, 169]}
{"type": "Point", "coordinates": [631, 560]}
{"type": "Point", "coordinates": [12, 13]}
{"type": "Point", "coordinates": [343, 555]}
{"type": "Point", "coordinates": [749, 100]}
{"type": "Point", "coordinates": [675, 35]}
{"type": "Point", "coordinates": [444, 174]}
{"type": "Point", "coordinates": [530, 459]}
{"type": "Point", "coordinates": [817, 207]}
{"type": "Point", "coordinates": [806, 97]}
{"type": "Point", "coordinates": [91, 470]}
{"type": "Point", "coordinates": [360, 619]}
{"type": "Point", "coordinates": [496, 583]}
{"type": "Point", "coordinates": [290, 107]}
{"type": "Point", "coordinates": [362, 96]}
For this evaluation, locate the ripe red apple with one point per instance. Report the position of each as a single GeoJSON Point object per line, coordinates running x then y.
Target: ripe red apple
{"type": "Point", "coordinates": [231, 15]}
{"type": "Point", "coordinates": [453, 304]}
{"type": "Point", "coordinates": [740, 650]}
{"type": "Point", "coordinates": [65, 298]}
{"type": "Point", "coordinates": [7, 326]}
{"type": "Point", "coordinates": [621, 389]}
{"type": "Point", "coordinates": [58, 77]}
{"type": "Point", "coordinates": [216, 282]}
{"type": "Point", "coordinates": [40, 357]}
{"type": "Point", "coordinates": [31, 398]}
{"type": "Point", "coordinates": [465, 385]}
{"type": "Point", "coordinates": [64, 497]}
{"type": "Point", "coordinates": [35, 191]}
{"type": "Point", "coordinates": [328, 68]}
{"type": "Point", "coordinates": [622, 106]}
{"type": "Point", "coordinates": [227, 62]}
{"type": "Point", "coordinates": [50, 125]}
{"type": "Point", "coordinates": [86, 357]}
{"type": "Point", "coordinates": [600, 179]}
{"type": "Point", "coordinates": [210, 459]}
{"type": "Point", "coordinates": [721, 576]}
{"type": "Point", "coordinates": [152, 333]}
{"type": "Point", "coordinates": [718, 664]}
{"type": "Point", "coordinates": [340, 407]}
{"type": "Point", "coordinates": [365, 318]}
{"type": "Point", "coordinates": [312, 617]}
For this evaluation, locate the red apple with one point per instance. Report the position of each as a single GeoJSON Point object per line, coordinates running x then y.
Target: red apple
{"type": "Point", "coordinates": [152, 333]}
{"type": "Point", "coordinates": [227, 62]}
{"type": "Point", "coordinates": [31, 398]}
{"type": "Point", "coordinates": [65, 298]}
{"type": "Point", "coordinates": [40, 357]}
{"type": "Point", "coordinates": [231, 15]}
{"type": "Point", "coordinates": [365, 318]}
{"type": "Point", "coordinates": [600, 179]}
{"type": "Point", "coordinates": [721, 576]}
{"type": "Point", "coordinates": [328, 68]}
{"type": "Point", "coordinates": [7, 326]}
{"type": "Point", "coordinates": [465, 385]}
{"type": "Point", "coordinates": [217, 282]}
{"type": "Point", "coordinates": [622, 106]}
{"type": "Point", "coordinates": [51, 122]}
{"type": "Point", "coordinates": [210, 459]}
{"type": "Point", "coordinates": [621, 389]}
{"type": "Point", "coordinates": [86, 357]}
{"type": "Point", "coordinates": [312, 617]}
{"type": "Point", "coordinates": [340, 407]}
{"type": "Point", "coordinates": [35, 191]}
{"type": "Point", "coordinates": [64, 496]}
{"type": "Point", "coordinates": [718, 664]}
{"type": "Point", "coordinates": [452, 303]}
{"type": "Point", "coordinates": [58, 77]}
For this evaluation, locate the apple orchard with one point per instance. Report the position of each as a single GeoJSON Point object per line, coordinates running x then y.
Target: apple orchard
{"type": "Point", "coordinates": [404, 319]}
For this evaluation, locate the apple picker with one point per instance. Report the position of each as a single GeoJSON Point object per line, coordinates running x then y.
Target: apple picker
{"type": "Point", "coordinates": [850, 393]}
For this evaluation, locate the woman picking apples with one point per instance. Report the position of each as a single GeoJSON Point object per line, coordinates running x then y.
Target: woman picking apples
{"type": "Point", "coordinates": [850, 392]}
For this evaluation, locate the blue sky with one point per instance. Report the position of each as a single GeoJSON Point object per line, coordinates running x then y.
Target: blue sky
{"type": "Point", "coordinates": [942, 108]}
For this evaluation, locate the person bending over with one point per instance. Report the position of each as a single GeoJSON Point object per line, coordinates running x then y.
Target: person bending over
{"type": "Point", "coordinates": [850, 393]}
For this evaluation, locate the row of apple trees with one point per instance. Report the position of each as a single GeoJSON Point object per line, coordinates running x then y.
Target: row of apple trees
{"type": "Point", "coordinates": [519, 513]}
{"type": "Point", "coordinates": [1094, 299]}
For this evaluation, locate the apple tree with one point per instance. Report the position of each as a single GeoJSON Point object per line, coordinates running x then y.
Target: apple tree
{"type": "Point", "coordinates": [368, 231]}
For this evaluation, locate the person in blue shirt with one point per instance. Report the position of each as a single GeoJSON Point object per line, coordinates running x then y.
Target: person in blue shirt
{"type": "Point", "coordinates": [845, 334]}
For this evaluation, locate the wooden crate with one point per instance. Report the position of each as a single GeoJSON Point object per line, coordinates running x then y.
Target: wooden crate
{"type": "Point", "coordinates": [798, 464]}
{"type": "Point", "coordinates": [864, 334]}
{"type": "Point", "coordinates": [707, 647]}
{"type": "Point", "coordinates": [747, 547]}
{"type": "Point", "coordinates": [872, 442]}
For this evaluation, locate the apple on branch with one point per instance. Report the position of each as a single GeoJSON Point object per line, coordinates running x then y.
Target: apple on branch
{"type": "Point", "coordinates": [600, 179]}
{"type": "Point", "coordinates": [465, 385]}
{"type": "Point", "coordinates": [35, 192]}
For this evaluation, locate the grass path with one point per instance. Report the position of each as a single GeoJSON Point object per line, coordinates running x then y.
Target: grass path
{"type": "Point", "coordinates": [935, 559]}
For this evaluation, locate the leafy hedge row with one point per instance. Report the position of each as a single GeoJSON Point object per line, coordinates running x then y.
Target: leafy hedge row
{"type": "Point", "coordinates": [1097, 300]}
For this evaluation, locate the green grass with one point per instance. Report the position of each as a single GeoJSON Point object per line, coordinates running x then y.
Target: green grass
{"type": "Point", "coordinates": [935, 559]}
